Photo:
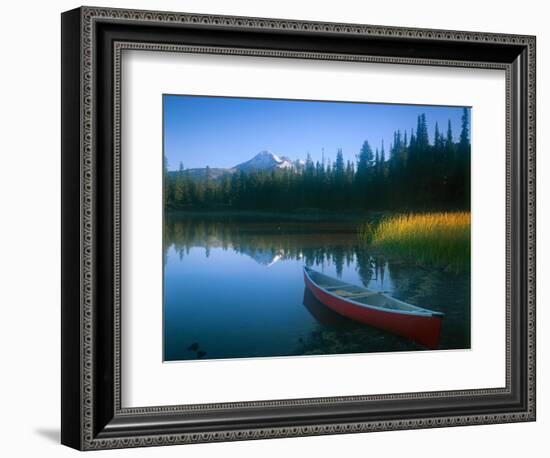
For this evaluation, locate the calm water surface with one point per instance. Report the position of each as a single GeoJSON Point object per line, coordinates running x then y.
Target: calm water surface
{"type": "Point", "coordinates": [236, 289]}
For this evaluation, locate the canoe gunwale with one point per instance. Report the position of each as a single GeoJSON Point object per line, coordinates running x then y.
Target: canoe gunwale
{"type": "Point", "coordinates": [421, 312]}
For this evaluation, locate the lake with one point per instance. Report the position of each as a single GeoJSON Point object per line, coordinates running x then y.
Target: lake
{"type": "Point", "coordinates": [234, 288]}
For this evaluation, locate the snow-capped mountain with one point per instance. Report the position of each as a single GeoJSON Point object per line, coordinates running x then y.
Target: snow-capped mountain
{"type": "Point", "coordinates": [264, 160]}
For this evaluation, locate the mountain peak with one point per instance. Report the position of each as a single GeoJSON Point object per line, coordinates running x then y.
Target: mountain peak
{"type": "Point", "coordinates": [264, 160]}
{"type": "Point", "coordinates": [265, 154]}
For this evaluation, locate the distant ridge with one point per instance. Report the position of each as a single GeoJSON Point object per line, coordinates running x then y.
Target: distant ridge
{"type": "Point", "coordinates": [263, 161]}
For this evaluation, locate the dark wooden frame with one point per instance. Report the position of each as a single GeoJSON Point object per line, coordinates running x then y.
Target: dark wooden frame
{"type": "Point", "coordinates": [92, 42]}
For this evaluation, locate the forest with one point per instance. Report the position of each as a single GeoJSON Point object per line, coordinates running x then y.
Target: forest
{"type": "Point", "coordinates": [413, 174]}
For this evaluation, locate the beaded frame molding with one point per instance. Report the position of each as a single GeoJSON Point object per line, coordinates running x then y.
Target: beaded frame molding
{"type": "Point", "coordinates": [93, 40]}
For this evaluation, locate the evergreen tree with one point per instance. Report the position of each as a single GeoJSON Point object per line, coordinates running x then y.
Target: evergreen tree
{"type": "Point", "coordinates": [382, 176]}
{"type": "Point", "coordinates": [422, 139]}
{"type": "Point", "coordinates": [449, 139]}
{"type": "Point", "coordinates": [412, 141]}
{"type": "Point", "coordinates": [464, 142]}
{"type": "Point", "coordinates": [320, 170]}
{"type": "Point", "coordinates": [464, 161]}
{"type": "Point", "coordinates": [438, 138]}
{"type": "Point", "coordinates": [339, 167]}
{"type": "Point", "coordinates": [350, 172]}
{"type": "Point", "coordinates": [364, 161]}
{"type": "Point", "coordinates": [309, 168]}
{"type": "Point", "coordinates": [179, 187]}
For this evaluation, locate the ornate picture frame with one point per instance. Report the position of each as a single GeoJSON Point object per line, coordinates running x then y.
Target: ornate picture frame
{"type": "Point", "coordinates": [93, 416]}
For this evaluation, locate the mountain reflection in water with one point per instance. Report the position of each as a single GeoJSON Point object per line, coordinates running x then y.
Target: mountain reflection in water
{"type": "Point", "coordinates": [235, 289]}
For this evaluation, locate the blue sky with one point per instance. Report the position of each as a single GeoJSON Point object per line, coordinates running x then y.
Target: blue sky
{"type": "Point", "coordinates": [224, 131]}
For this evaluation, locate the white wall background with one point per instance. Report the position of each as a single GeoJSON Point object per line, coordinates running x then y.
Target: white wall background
{"type": "Point", "coordinates": [30, 214]}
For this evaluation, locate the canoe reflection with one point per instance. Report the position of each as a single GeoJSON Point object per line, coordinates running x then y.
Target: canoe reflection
{"type": "Point", "coordinates": [325, 316]}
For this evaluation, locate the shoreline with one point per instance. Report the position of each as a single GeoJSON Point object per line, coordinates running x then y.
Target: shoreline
{"type": "Point", "coordinates": [306, 215]}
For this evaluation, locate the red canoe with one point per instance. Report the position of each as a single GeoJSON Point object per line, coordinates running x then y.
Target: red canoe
{"type": "Point", "coordinates": [376, 309]}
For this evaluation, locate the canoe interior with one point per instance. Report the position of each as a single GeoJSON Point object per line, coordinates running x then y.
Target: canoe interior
{"type": "Point", "coordinates": [360, 294]}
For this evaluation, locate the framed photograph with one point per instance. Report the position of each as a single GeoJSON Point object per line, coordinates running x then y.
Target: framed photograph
{"type": "Point", "coordinates": [276, 228]}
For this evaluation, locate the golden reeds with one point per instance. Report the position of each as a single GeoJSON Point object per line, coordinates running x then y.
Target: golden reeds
{"type": "Point", "coordinates": [434, 238]}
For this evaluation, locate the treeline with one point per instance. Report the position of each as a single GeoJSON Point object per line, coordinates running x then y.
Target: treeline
{"type": "Point", "coordinates": [413, 173]}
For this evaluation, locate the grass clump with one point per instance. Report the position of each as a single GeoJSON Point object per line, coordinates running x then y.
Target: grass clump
{"type": "Point", "coordinates": [427, 238]}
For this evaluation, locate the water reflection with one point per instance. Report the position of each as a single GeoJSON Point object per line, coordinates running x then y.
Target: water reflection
{"type": "Point", "coordinates": [236, 290]}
